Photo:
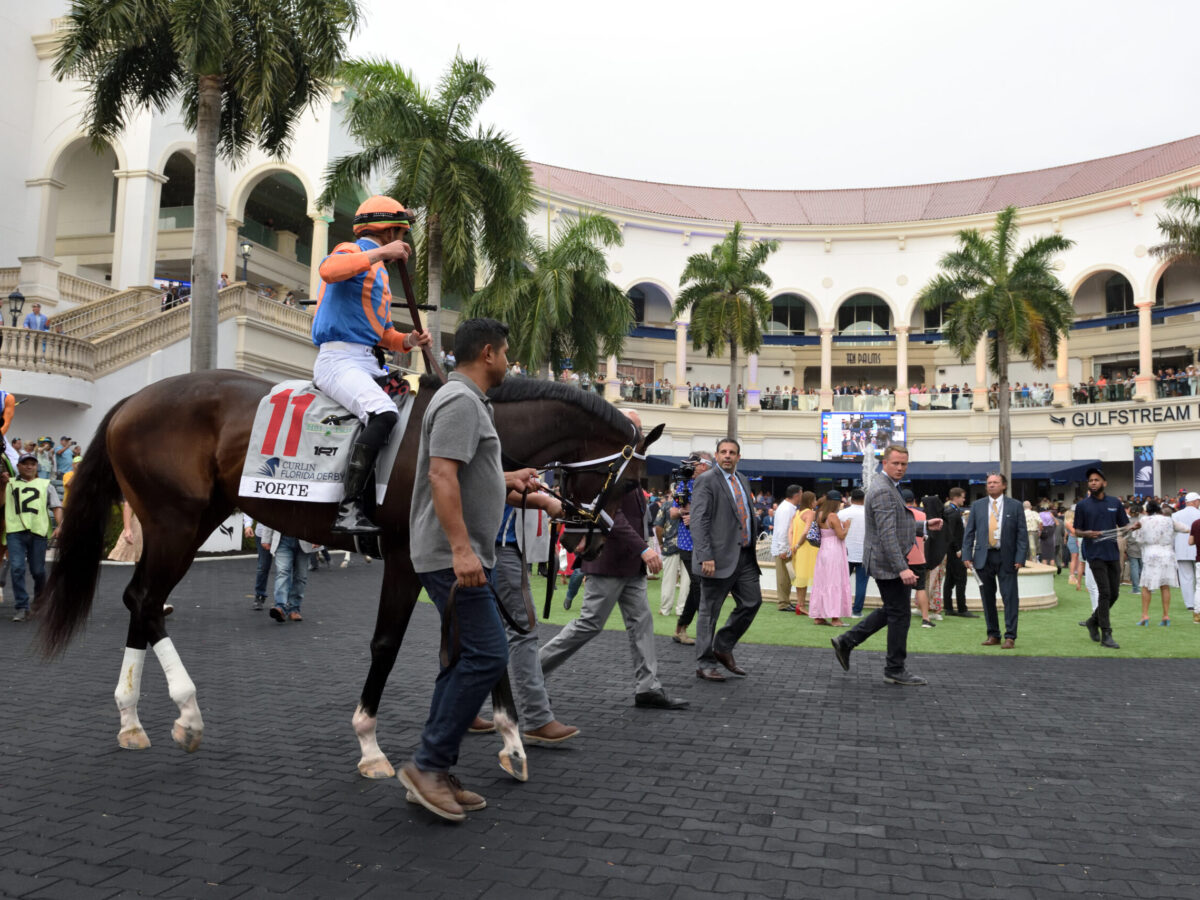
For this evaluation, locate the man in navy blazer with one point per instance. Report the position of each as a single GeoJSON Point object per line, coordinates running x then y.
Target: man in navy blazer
{"type": "Point", "coordinates": [724, 557]}
{"type": "Point", "coordinates": [994, 544]}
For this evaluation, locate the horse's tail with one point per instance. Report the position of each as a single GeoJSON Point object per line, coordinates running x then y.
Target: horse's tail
{"type": "Point", "coordinates": [71, 585]}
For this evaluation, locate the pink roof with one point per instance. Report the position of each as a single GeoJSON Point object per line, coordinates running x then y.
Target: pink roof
{"type": "Point", "coordinates": [864, 206]}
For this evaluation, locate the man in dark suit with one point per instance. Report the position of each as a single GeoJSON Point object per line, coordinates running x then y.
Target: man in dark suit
{"type": "Point", "coordinates": [724, 559]}
{"type": "Point", "coordinates": [994, 544]}
{"type": "Point", "coordinates": [618, 576]}
{"type": "Point", "coordinates": [890, 532]}
{"type": "Point", "coordinates": [956, 572]}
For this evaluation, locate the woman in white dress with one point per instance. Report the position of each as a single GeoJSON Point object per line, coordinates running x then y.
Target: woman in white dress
{"type": "Point", "coordinates": [1157, 538]}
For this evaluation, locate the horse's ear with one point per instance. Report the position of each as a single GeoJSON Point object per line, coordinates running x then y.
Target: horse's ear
{"type": "Point", "coordinates": [654, 435]}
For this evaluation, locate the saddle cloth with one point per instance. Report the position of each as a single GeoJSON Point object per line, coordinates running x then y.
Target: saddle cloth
{"type": "Point", "coordinates": [301, 440]}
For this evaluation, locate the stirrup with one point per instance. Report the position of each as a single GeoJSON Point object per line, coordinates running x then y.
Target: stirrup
{"type": "Point", "coordinates": [352, 520]}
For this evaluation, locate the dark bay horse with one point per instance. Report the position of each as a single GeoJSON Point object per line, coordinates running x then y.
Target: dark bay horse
{"type": "Point", "coordinates": [175, 450]}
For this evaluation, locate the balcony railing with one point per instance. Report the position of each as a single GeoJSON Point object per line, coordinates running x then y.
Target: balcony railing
{"type": "Point", "coordinates": [26, 350]}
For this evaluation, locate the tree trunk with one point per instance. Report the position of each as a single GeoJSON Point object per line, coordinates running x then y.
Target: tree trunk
{"type": "Point", "coordinates": [1002, 406]}
{"type": "Point", "coordinates": [732, 427]}
{"type": "Point", "coordinates": [434, 269]}
{"type": "Point", "coordinates": [204, 231]}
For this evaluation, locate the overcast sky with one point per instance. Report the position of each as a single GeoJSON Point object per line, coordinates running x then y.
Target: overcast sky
{"type": "Point", "coordinates": [814, 95]}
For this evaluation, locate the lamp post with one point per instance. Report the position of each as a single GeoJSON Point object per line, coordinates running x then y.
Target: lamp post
{"type": "Point", "coordinates": [16, 302]}
{"type": "Point", "coordinates": [245, 248]}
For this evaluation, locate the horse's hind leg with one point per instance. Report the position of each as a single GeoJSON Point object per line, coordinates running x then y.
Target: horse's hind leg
{"type": "Point", "coordinates": [129, 688]}
{"type": "Point", "coordinates": [512, 756]}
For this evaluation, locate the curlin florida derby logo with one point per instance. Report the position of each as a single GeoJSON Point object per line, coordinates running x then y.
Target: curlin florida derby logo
{"type": "Point", "coordinates": [1129, 415]}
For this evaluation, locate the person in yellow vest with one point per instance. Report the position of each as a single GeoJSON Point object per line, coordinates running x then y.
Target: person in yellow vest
{"type": "Point", "coordinates": [68, 475]}
{"type": "Point", "coordinates": [28, 503]}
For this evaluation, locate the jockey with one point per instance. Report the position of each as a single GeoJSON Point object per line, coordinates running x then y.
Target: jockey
{"type": "Point", "coordinates": [353, 315]}
{"type": "Point", "coordinates": [7, 405]}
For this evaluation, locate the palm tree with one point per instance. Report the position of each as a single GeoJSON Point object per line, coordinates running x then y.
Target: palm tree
{"type": "Point", "coordinates": [727, 301]}
{"type": "Point", "coordinates": [1012, 296]}
{"type": "Point", "coordinates": [245, 70]}
{"type": "Point", "coordinates": [1182, 230]}
{"type": "Point", "coordinates": [558, 300]}
{"type": "Point", "coordinates": [471, 188]}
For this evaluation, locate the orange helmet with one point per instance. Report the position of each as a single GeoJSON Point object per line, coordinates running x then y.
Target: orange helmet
{"type": "Point", "coordinates": [380, 213]}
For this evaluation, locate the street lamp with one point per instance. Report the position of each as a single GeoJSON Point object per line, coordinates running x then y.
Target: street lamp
{"type": "Point", "coordinates": [245, 248]}
{"type": "Point", "coordinates": [16, 302]}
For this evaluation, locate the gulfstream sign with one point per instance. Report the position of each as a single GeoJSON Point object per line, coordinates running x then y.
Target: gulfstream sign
{"type": "Point", "coordinates": [1132, 415]}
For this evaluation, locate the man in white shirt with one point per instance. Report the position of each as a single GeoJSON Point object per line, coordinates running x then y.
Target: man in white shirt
{"type": "Point", "coordinates": [853, 518]}
{"type": "Point", "coordinates": [1185, 555]}
{"type": "Point", "coordinates": [781, 548]}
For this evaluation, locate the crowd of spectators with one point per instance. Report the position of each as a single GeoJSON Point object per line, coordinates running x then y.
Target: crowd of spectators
{"type": "Point", "coordinates": [54, 460]}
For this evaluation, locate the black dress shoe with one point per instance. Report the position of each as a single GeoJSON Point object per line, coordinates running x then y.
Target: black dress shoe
{"type": "Point", "coordinates": [842, 652]}
{"type": "Point", "coordinates": [967, 614]}
{"type": "Point", "coordinates": [726, 659]}
{"type": "Point", "coordinates": [1093, 630]}
{"type": "Point", "coordinates": [658, 700]}
{"type": "Point", "coordinates": [906, 678]}
{"type": "Point", "coordinates": [710, 674]}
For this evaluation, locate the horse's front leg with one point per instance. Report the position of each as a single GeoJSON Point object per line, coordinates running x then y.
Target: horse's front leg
{"type": "Point", "coordinates": [397, 598]}
{"type": "Point", "coordinates": [512, 756]}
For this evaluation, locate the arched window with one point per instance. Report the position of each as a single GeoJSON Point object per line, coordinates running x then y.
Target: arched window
{"type": "Point", "coordinates": [864, 314]}
{"type": "Point", "coordinates": [790, 315]}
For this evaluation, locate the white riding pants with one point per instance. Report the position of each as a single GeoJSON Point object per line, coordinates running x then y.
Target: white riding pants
{"type": "Point", "coordinates": [1187, 582]}
{"type": "Point", "coordinates": [347, 373]}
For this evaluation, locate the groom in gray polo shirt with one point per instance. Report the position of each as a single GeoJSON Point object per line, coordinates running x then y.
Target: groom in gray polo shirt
{"type": "Point", "coordinates": [449, 541]}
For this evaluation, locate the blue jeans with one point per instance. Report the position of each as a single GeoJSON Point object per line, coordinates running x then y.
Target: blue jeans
{"type": "Point", "coordinates": [860, 587]}
{"type": "Point", "coordinates": [1135, 573]}
{"type": "Point", "coordinates": [574, 582]}
{"type": "Point", "coordinates": [461, 687]}
{"type": "Point", "coordinates": [26, 549]}
{"type": "Point", "coordinates": [264, 569]}
{"type": "Point", "coordinates": [291, 574]}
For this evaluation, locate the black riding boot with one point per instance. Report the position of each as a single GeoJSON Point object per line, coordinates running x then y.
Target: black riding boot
{"type": "Point", "coordinates": [350, 516]}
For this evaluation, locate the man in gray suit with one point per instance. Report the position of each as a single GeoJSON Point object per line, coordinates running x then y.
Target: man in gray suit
{"type": "Point", "coordinates": [724, 558]}
{"type": "Point", "coordinates": [890, 532]}
{"type": "Point", "coordinates": [994, 544]}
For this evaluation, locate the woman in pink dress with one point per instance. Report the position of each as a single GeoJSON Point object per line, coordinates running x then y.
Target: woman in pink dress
{"type": "Point", "coordinates": [829, 598]}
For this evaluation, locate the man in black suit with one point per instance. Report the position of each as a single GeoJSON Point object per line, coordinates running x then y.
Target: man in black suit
{"type": "Point", "coordinates": [956, 572]}
{"type": "Point", "coordinates": [724, 558]}
{"type": "Point", "coordinates": [995, 542]}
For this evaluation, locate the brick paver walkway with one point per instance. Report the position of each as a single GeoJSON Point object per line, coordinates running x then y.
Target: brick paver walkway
{"type": "Point", "coordinates": [1008, 778]}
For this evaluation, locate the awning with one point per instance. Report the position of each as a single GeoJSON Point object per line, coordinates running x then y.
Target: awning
{"type": "Point", "coordinates": [962, 472]}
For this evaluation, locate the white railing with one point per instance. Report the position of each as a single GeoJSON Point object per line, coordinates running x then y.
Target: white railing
{"type": "Point", "coordinates": [863, 402]}
{"type": "Point", "coordinates": [9, 278]}
{"type": "Point", "coordinates": [112, 312]}
{"type": "Point", "coordinates": [46, 352]}
{"type": "Point", "coordinates": [82, 290]}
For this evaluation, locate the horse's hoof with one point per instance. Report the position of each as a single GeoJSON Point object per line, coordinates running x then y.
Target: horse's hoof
{"type": "Point", "coordinates": [134, 739]}
{"type": "Point", "coordinates": [376, 768]}
{"type": "Point", "coordinates": [515, 764]}
{"type": "Point", "coordinates": [186, 737]}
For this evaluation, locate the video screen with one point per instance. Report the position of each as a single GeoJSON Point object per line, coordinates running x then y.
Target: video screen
{"type": "Point", "coordinates": [847, 436]}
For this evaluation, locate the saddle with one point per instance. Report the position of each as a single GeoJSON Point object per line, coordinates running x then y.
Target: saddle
{"type": "Point", "coordinates": [301, 438]}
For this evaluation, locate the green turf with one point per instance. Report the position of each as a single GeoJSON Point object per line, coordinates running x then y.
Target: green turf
{"type": "Point", "coordinates": [1050, 632]}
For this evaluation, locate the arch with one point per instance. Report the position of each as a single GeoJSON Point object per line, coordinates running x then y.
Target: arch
{"type": "Point", "coordinates": [1081, 277]}
{"type": "Point", "coordinates": [251, 179]}
{"type": "Point", "coordinates": [654, 305]}
{"type": "Point", "coordinates": [782, 323]}
{"type": "Point", "coordinates": [888, 301]}
{"type": "Point", "coordinates": [1104, 291]}
{"type": "Point", "coordinates": [55, 160]}
{"type": "Point", "coordinates": [1156, 287]}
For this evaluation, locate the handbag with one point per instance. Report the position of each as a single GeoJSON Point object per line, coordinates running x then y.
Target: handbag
{"type": "Point", "coordinates": [814, 533]}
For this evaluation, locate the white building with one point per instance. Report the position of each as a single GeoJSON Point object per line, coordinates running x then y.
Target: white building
{"type": "Point", "coordinates": [93, 236]}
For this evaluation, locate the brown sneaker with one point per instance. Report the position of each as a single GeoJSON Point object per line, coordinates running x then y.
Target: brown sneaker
{"type": "Point", "coordinates": [468, 800]}
{"type": "Point", "coordinates": [553, 732]}
{"type": "Point", "coordinates": [294, 616]}
{"type": "Point", "coordinates": [436, 791]}
{"type": "Point", "coordinates": [1196, 618]}
{"type": "Point", "coordinates": [681, 637]}
{"type": "Point", "coordinates": [482, 726]}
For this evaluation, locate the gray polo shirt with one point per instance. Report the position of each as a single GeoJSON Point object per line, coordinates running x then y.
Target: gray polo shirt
{"type": "Point", "coordinates": [458, 425]}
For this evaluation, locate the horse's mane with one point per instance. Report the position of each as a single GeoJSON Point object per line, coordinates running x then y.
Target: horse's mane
{"type": "Point", "coordinates": [513, 390]}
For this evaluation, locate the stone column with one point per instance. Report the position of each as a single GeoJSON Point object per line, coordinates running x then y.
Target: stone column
{"type": "Point", "coordinates": [980, 399]}
{"type": "Point", "coordinates": [682, 399]}
{"type": "Point", "coordinates": [320, 249]}
{"type": "Point", "coordinates": [39, 273]}
{"type": "Point", "coordinates": [612, 384]}
{"type": "Point", "coordinates": [826, 368]}
{"type": "Point", "coordinates": [233, 258]}
{"type": "Point", "coordinates": [1144, 383]}
{"type": "Point", "coordinates": [285, 244]}
{"type": "Point", "coordinates": [753, 394]}
{"type": "Point", "coordinates": [135, 239]}
{"type": "Point", "coordinates": [1062, 374]}
{"type": "Point", "coordinates": [901, 359]}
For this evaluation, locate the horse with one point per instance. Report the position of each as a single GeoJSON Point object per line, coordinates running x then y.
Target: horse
{"type": "Point", "coordinates": [175, 452]}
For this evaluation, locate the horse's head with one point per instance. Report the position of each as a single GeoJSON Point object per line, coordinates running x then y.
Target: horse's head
{"type": "Point", "coordinates": [589, 450]}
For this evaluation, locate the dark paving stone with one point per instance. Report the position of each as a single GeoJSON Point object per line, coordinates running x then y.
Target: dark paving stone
{"type": "Point", "coordinates": [1043, 778]}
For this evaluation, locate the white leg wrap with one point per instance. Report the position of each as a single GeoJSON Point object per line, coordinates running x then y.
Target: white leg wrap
{"type": "Point", "coordinates": [189, 727]}
{"type": "Point", "coordinates": [129, 689]}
